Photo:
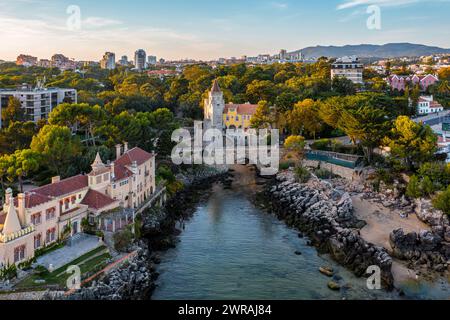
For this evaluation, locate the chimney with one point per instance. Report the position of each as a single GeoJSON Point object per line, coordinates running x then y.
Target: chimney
{"type": "Point", "coordinates": [56, 179]}
{"type": "Point", "coordinates": [125, 147]}
{"type": "Point", "coordinates": [21, 208]}
{"type": "Point", "coordinates": [134, 167]}
{"type": "Point", "coordinates": [8, 196]}
{"type": "Point", "coordinates": [118, 151]}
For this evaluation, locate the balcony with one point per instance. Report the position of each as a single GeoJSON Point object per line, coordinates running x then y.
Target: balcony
{"type": "Point", "coordinates": [73, 213]}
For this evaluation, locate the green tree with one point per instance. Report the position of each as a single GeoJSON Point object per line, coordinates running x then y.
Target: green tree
{"type": "Point", "coordinates": [415, 95]}
{"type": "Point", "coordinates": [13, 112]}
{"type": "Point", "coordinates": [411, 144]}
{"type": "Point", "coordinates": [296, 144]}
{"type": "Point", "coordinates": [261, 90]}
{"type": "Point", "coordinates": [58, 147]}
{"type": "Point", "coordinates": [427, 186]}
{"type": "Point", "coordinates": [343, 86]}
{"type": "Point", "coordinates": [442, 201]}
{"type": "Point", "coordinates": [5, 164]}
{"type": "Point", "coordinates": [22, 163]}
{"type": "Point", "coordinates": [413, 190]}
{"type": "Point", "coordinates": [262, 119]}
{"type": "Point", "coordinates": [305, 117]}
{"type": "Point", "coordinates": [17, 136]}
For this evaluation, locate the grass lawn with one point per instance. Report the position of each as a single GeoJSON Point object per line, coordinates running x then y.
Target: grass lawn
{"type": "Point", "coordinates": [88, 262]}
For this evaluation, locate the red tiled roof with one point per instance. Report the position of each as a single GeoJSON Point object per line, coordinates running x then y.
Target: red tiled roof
{"type": "Point", "coordinates": [45, 193]}
{"type": "Point", "coordinates": [97, 200]}
{"type": "Point", "coordinates": [121, 172]}
{"type": "Point", "coordinates": [135, 154]}
{"type": "Point", "coordinates": [245, 109]}
{"type": "Point", "coordinates": [33, 199]}
{"type": "Point", "coordinates": [63, 187]}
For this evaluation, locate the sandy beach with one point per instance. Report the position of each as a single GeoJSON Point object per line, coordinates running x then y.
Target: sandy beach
{"type": "Point", "coordinates": [381, 221]}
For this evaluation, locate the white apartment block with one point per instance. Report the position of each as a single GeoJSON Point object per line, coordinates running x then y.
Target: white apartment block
{"type": "Point", "coordinates": [427, 105]}
{"type": "Point", "coordinates": [37, 103]}
{"type": "Point", "coordinates": [348, 67]}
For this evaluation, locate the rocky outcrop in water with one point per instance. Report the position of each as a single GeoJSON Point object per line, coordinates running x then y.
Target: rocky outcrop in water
{"type": "Point", "coordinates": [430, 249]}
{"type": "Point", "coordinates": [421, 249]}
{"type": "Point", "coordinates": [326, 215]}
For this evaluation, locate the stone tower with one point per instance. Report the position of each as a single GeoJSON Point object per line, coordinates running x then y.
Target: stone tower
{"type": "Point", "coordinates": [214, 107]}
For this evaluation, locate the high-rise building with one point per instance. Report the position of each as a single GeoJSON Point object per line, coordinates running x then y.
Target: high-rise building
{"type": "Point", "coordinates": [348, 67]}
{"type": "Point", "coordinates": [140, 58]}
{"type": "Point", "coordinates": [283, 54]}
{"type": "Point", "coordinates": [123, 61]}
{"type": "Point", "coordinates": [108, 61]}
{"type": "Point", "coordinates": [26, 60]}
{"type": "Point", "coordinates": [151, 60]}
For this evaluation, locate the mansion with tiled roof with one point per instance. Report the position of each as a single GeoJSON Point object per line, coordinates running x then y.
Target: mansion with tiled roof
{"type": "Point", "coordinates": [40, 217]}
{"type": "Point", "coordinates": [221, 116]}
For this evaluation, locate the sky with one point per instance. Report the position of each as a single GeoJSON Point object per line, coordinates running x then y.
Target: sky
{"type": "Point", "coordinates": [209, 29]}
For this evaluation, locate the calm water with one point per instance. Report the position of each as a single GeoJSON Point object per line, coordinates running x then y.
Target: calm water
{"type": "Point", "coordinates": [232, 250]}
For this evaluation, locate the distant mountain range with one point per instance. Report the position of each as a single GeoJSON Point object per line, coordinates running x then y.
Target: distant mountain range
{"type": "Point", "coordinates": [390, 50]}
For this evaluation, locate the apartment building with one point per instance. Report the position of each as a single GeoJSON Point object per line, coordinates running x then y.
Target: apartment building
{"type": "Point", "coordinates": [37, 102]}
{"type": "Point", "coordinates": [348, 67]}
{"type": "Point", "coordinates": [140, 59]}
{"type": "Point", "coordinates": [108, 61]}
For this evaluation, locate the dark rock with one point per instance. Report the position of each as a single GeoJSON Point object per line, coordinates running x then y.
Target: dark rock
{"type": "Point", "coordinates": [329, 272]}
{"type": "Point", "coordinates": [334, 286]}
{"type": "Point", "coordinates": [328, 220]}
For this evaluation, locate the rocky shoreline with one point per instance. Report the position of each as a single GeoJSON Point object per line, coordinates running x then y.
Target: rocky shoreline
{"type": "Point", "coordinates": [135, 279]}
{"type": "Point", "coordinates": [426, 249]}
{"type": "Point", "coordinates": [325, 214]}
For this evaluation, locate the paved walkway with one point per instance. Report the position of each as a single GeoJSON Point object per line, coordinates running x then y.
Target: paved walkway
{"type": "Point", "coordinates": [433, 119]}
{"type": "Point", "coordinates": [58, 258]}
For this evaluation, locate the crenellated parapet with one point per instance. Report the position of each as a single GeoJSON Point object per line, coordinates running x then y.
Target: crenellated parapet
{"type": "Point", "coordinates": [5, 238]}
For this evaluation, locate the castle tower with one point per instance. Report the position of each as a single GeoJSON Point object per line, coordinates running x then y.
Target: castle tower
{"type": "Point", "coordinates": [97, 177]}
{"type": "Point", "coordinates": [214, 108]}
{"type": "Point", "coordinates": [98, 163]}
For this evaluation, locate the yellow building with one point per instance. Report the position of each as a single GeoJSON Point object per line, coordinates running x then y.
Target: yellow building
{"type": "Point", "coordinates": [221, 116]}
{"type": "Point", "coordinates": [238, 116]}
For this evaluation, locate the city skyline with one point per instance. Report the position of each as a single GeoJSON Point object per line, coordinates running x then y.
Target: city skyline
{"type": "Point", "coordinates": [213, 30]}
